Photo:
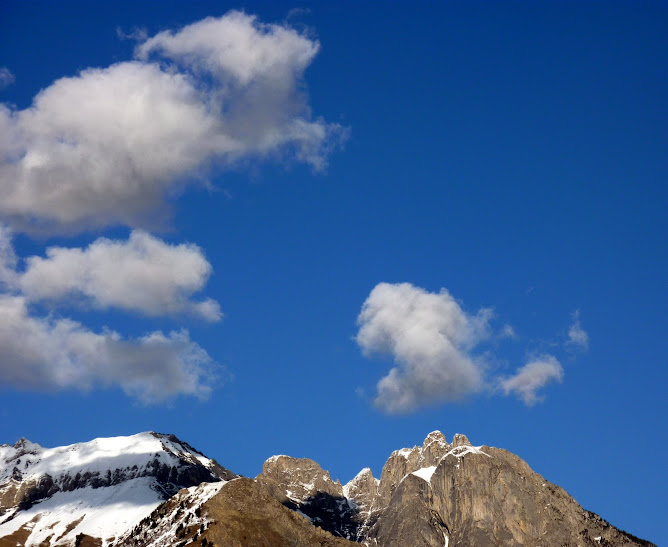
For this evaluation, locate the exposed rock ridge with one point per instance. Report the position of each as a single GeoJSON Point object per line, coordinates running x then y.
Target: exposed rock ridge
{"type": "Point", "coordinates": [441, 493]}
{"type": "Point", "coordinates": [302, 485]}
{"type": "Point", "coordinates": [363, 494]}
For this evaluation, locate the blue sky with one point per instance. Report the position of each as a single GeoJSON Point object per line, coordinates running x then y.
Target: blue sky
{"type": "Point", "coordinates": [194, 214]}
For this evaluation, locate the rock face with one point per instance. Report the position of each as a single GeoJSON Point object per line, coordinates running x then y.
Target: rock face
{"type": "Point", "coordinates": [363, 494]}
{"type": "Point", "coordinates": [52, 495]}
{"type": "Point", "coordinates": [441, 493]}
{"type": "Point", "coordinates": [491, 496]}
{"type": "Point", "coordinates": [302, 485]}
{"type": "Point", "coordinates": [458, 494]}
{"type": "Point", "coordinates": [410, 517]}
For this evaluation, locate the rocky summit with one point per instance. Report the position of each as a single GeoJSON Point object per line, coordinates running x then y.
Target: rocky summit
{"type": "Point", "coordinates": [152, 490]}
{"type": "Point", "coordinates": [57, 496]}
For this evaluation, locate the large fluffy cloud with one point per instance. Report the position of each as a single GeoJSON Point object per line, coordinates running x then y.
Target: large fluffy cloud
{"type": "Point", "coordinates": [430, 338]}
{"type": "Point", "coordinates": [109, 145]}
{"type": "Point", "coordinates": [142, 274]}
{"type": "Point", "coordinates": [526, 382]}
{"type": "Point", "coordinates": [48, 353]}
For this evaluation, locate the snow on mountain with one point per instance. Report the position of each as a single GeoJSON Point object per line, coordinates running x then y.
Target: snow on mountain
{"type": "Point", "coordinates": [99, 488]}
{"type": "Point", "coordinates": [181, 513]}
{"type": "Point", "coordinates": [96, 512]}
{"type": "Point", "coordinates": [98, 455]}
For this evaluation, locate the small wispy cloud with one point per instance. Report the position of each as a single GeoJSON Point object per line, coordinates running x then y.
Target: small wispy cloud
{"type": "Point", "coordinates": [137, 34]}
{"type": "Point", "coordinates": [533, 376]}
{"type": "Point", "coordinates": [6, 77]}
{"type": "Point", "coordinates": [508, 332]}
{"type": "Point", "coordinates": [578, 338]}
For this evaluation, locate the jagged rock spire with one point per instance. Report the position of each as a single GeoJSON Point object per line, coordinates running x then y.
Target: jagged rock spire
{"type": "Point", "coordinates": [460, 440]}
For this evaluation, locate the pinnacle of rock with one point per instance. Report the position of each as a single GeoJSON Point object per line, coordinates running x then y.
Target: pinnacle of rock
{"type": "Point", "coordinates": [434, 437]}
{"type": "Point", "coordinates": [460, 440]}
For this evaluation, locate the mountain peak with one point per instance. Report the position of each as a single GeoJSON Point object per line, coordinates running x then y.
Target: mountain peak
{"type": "Point", "coordinates": [434, 437]}
{"type": "Point", "coordinates": [128, 475]}
{"type": "Point", "coordinates": [460, 440]}
{"type": "Point", "coordinates": [24, 446]}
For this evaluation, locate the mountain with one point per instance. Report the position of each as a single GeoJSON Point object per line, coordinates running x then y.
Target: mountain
{"type": "Point", "coordinates": [99, 489]}
{"type": "Point", "coordinates": [152, 490]}
{"type": "Point", "coordinates": [441, 494]}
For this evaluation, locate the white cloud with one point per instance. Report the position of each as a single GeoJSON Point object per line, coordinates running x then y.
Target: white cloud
{"type": "Point", "coordinates": [48, 353]}
{"type": "Point", "coordinates": [508, 332]}
{"type": "Point", "coordinates": [236, 47]}
{"type": "Point", "coordinates": [141, 274]}
{"type": "Point", "coordinates": [6, 77]}
{"type": "Point", "coordinates": [532, 377]}
{"type": "Point", "coordinates": [8, 259]}
{"type": "Point", "coordinates": [110, 145]}
{"type": "Point", "coordinates": [577, 336]}
{"type": "Point", "coordinates": [430, 338]}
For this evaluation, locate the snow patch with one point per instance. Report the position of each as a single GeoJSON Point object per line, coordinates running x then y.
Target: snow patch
{"type": "Point", "coordinates": [461, 451]}
{"type": "Point", "coordinates": [275, 458]}
{"type": "Point", "coordinates": [425, 473]}
{"type": "Point", "coordinates": [404, 452]}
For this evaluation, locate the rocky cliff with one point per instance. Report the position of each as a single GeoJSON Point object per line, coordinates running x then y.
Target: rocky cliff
{"type": "Point", "coordinates": [441, 493]}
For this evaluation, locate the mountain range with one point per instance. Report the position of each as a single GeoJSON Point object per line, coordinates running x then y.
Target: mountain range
{"type": "Point", "coordinates": [155, 490]}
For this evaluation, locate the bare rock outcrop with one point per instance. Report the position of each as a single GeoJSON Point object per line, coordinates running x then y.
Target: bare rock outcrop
{"type": "Point", "coordinates": [475, 496]}
{"type": "Point", "coordinates": [363, 493]}
{"type": "Point", "coordinates": [243, 514]}
{"type": "Point", "coordinates": [302, 485]}
{"type": "Point", "coordinates": [410, 517]}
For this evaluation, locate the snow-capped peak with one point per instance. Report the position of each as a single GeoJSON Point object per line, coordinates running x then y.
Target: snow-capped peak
{"type": "Point", "coordinates": [94, 457]}
{"type": "Point", "coordinates": [100, 487]}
